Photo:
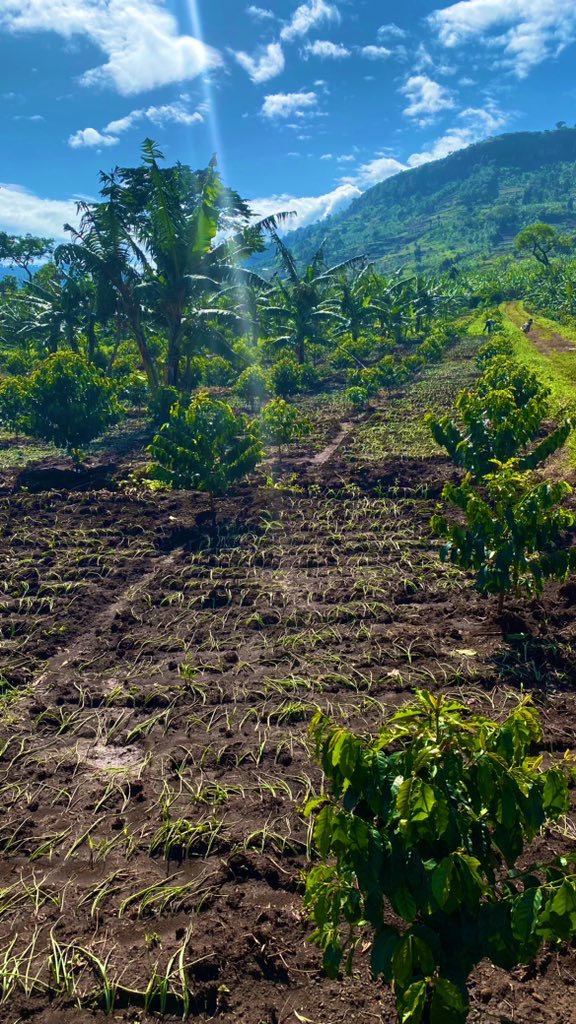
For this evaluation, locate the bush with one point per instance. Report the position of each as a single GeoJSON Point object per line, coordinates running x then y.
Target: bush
{"type": "Point", "coordinates": [206, 447]}
{"type": "Point", "coordinates": [218, 372]}
{"type": "Point", "coordinates": [286, 377]}
{"type": "Point", "coordinates": [513, 531]}
{"type": "Point", "coordinates": [253, 386]}
{"type": "Point", "coordinates": [160, 404]}
{"type": "Point", "coordinates": [15, 404]}
{"type": "Point", "coordinates": [356, 397]}
{"type": "Point", "coordinates": [133, 389]}
{"type": "Point", "coordinates": [70, 401]}
{"type": "Point", "coordinates": [498, 420]}
{"type": "Point", "coordinates": [310, 377]}
{"type": "Point", "coordinates": [282, 424]}
{"type": "Point", "coordinates": [420, 835]}
{"type": "Point", "coordinates": [498, 346]}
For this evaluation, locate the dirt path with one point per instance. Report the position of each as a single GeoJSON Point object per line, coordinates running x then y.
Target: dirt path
{"type": "Point", "coordinates": [547, 342]}
{"type": "Point", "coordinates": [324, 456]}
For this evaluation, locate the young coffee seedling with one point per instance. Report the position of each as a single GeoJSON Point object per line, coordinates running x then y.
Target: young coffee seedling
{"type": "Point", "coordinates": [512, 536]}
{"type": "Point", "coordinates": [498, 420]}
{"type": "Point", "coordinates": [420, 836]}
{"type": "Point", "coordinates": [282, 424]}
{"type": "Point", "coordinates": [206, 447]}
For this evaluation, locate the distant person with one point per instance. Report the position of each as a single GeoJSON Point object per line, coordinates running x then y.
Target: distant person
{"type": "Point", "coordinates": [489, 326]}
{"type": "Point", "coordinates": [527, 326]}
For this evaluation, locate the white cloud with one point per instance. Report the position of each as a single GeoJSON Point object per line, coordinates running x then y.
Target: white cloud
{"type": "Point", "coordinates": [169, 113]}
{"type": "Point", "coordinates": [528, 31]}
{"type": "Point", "coordinates": [90, 137]}
{"type": "Point", "coordinates": [426, 98]}
{"type": "Point", "coordinates": [375, 52]}
{"type": "Point", "coordinates": [326, 50]}
{"type": "Point", "coordinates": [288, 104]}
{"type": "Point", "coordinates": [269, 63]}
{"type": "Point", "coordinates": [307, 16]}
{"type": "Point", "coordinates": [309, 209]}
{"type": "Point", "coordinates": [260, 13]}
{"type": "Point", "coordinates": [477, 124]}
{"type": "Point", "coordinates": [373, 171]}
{"type": "Point", "coordinates": [139, 38]}
{"type": "Point", "coordinates": [391, 31]}
{"type": "Point", "coordinates": [22, 212]}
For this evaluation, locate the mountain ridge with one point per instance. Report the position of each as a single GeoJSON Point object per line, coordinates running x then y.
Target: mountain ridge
{"type": "Point", "coordinates": [468, 204]}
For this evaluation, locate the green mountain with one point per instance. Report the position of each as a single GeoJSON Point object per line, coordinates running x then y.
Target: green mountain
{"type": "Point", "coordinates": [470, 204]}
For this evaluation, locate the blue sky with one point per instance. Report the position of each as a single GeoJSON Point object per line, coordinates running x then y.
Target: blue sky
{"type": "Point", "coordinates": [307, 104]}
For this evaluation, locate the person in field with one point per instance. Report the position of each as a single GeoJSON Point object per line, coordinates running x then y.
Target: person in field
{"type": "Point", "coordinates": [489, 326]}
{"type": "Point", "coordinates": [527, 326]}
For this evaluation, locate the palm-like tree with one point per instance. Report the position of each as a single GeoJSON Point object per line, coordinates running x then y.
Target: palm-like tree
{"type": "Point", "coordinates": [353, 301]}
{"type": "Point", "coordinates": [54, 309]}
{"type": "Point", "coordinates": [302, 303]}
{"type": "Point", "coordinates": [154, 242]}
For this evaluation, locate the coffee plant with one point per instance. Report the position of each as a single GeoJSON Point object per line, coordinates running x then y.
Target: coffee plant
{"type": "Point", "coordinates": [512, 535]}
{"type": "Point", "coordinates": [206, 447]}
{"type": "Point", "coordinates": [420, 836]}
{"type": "Point", "coordinates": [282, 424]}
{"type": "Point", "coordinates": [497, 420]}
{"type": "Point", "coordinates": [70, 402]}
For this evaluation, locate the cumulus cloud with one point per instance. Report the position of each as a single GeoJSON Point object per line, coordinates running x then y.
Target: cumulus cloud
{"type": "Point", "coordinates": [282, 105]}
{"type": "Point", "coordinates": [375, 52]}
{"type": "Point", "coordinates": [260, 13]}
{"type": "Point", "coordinates": [308, 16]}
{"type": "Point", "coordinates": [426, 98]}
{"type": "Point", "coordinates": [309, 209]}
{"type": "Point", "coordinates": [168, 113]}
{"type": "Point", "coordinates": [268, 63]}
{"type": "Point", "coordinates": [139, 39]}
{"type": "Point", "coordinates": [22, 212]}
{"type": "Point", "coordinates": [477, 124]}
{"type": "Point", "coordinates": [391, 31]}
{"type": "Point", "coordinates": [91, 137]}
{"type": "Point", "coordinates": [373, 171]}
{"type": "Point", "coordinates": [527, 31]}
{"type": "Point", "coordinates": [326, 50]}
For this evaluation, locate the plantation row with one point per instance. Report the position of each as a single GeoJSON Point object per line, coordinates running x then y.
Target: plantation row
{"type": "Point", "coordinates": [175, 663]}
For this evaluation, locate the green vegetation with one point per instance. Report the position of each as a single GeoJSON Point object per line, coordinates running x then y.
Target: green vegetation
{"type": "Point", "coordinates": [160, 664]}
{"type": "Point", "coordinates": [282, 424]}
{"type": "Point", "coordinates": [205, 447]}
{"type": "Point", "coordinates": [513, 532]}
{"type": "Point", "coordinates": [450, 212]}
{"type": "Point", "coordinates": [429, 819]}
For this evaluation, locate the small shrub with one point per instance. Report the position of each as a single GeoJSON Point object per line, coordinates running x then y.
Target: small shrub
{"type": "Point", "coordinates": [497, 420]}
{"type": "Point", "coordinates": [133, 389]}
{"type": "Point", "coordinates": [498, 346]}
{"type": "Point", "coordinates": [356, 397]}
{"type": "Point", "coordinates": [218, 372]}
{"type": "Point", "coordinates": [282, 424]}
{"type": "Point", "coordinates": [206, 447]}
{"type": "Point", "coordinates": [160, 404]}
{"type": "Point", "coordinates": [420, 836]}
{"type": "Point", "coordinates": [70, 401]}
{"type": "Point", "coordinates": [513, 531]}
{"type": "Point", "coordinates": [310, 377]}
{"type": "Point", "coordinates": [286, 377]}
{"type": "Point", "coordinates": [15, 404]}
{"type": "Point", "coordinates": [253, 386]}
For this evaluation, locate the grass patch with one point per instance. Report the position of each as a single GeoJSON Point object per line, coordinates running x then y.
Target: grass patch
{"type": "Point", "coordinates": [557, 370]}
{"type": "Point", "coordinates": [398, 428]}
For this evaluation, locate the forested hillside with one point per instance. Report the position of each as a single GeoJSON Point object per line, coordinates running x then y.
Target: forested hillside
{"type": "Point", "coordinates": [471, 203]}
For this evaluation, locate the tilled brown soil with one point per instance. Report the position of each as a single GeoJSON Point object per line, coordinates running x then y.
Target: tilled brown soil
{"type": "Point", "coordinates": [154, 766]}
